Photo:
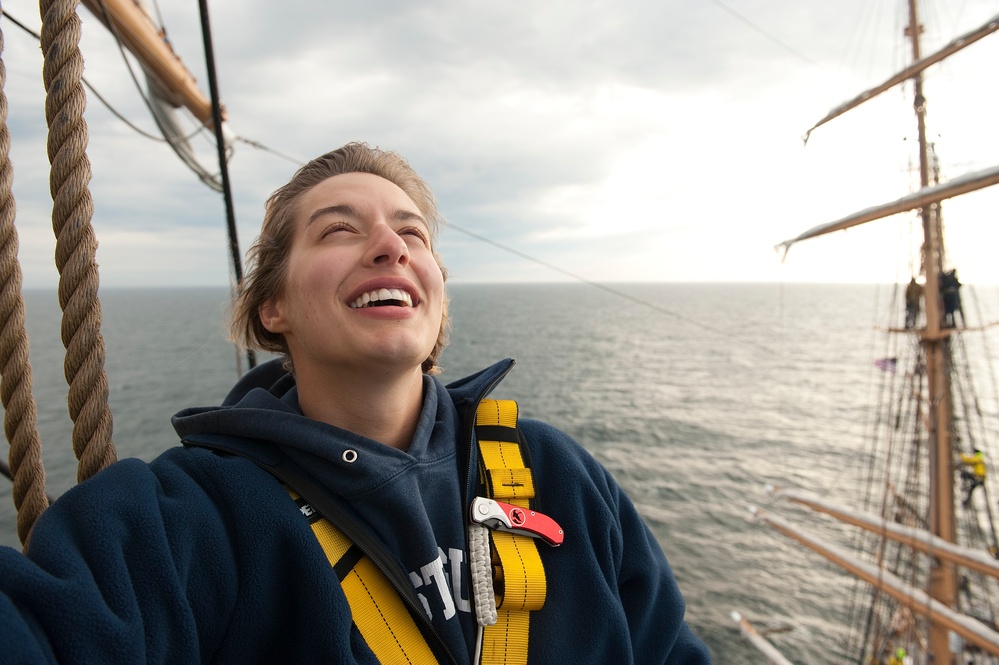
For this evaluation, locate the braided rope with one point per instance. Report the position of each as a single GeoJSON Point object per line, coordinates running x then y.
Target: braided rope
{"type": "Point", "coordinates": [76, 245]}
{"type": "Point", "coordinates": [480, 567]}
{"type": "Point", "coordinates": [20, 416]}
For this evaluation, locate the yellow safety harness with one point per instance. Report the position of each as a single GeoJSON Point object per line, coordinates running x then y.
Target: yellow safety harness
{"type": "Point", "coordinates": [379, 613]}
{"type": "Point", "coordinates": [518, 574]}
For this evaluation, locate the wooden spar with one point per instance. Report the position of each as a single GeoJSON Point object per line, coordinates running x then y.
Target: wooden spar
{"type": "Point", "coordinates": [918, 539]}
{"type": "Point", "coordinates": [773, 656]}
{"type": "Point", "coordinates": [918, 601]}
{"type": "Point", "coordinates": [126, 20]}
{"type": "Point", "coordinates": [925, 197]}
{"type": "Point", "coordinates": [910, 71]}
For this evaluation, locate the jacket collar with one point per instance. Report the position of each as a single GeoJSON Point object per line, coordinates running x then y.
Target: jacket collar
{"type": "Point", "coordinates": [474, 388]}
{"type": "Point", "coordinates": [273, 378]}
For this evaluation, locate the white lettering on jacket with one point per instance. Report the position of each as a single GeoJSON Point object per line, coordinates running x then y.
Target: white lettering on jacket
{"type": "Point", "coordinates": [417, 583]}
{"type": "Point", "coordinates": [434, 572]}
{"type": "Point", "coordinates": [445, 580]}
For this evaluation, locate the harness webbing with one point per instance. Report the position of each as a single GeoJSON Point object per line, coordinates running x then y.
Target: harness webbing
{"type": "Point", "coordinates": [518, 574]}
{"type": "Point", "coordinates": [378, 612]}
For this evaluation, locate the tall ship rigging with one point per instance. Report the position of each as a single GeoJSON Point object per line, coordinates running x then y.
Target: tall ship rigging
{"type": "Point", "coordinates": [922, 540]}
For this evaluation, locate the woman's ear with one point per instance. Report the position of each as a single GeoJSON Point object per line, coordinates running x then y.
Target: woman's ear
{"type": "Point", "coordinates": [271, 316]}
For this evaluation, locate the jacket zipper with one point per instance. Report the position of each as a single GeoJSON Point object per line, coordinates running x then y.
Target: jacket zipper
{"type": "Point", "coordinates": [469, 430]}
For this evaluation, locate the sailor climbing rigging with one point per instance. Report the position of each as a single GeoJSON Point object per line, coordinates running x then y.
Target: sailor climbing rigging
{"type": "Point", "coordinates": [972, 478]}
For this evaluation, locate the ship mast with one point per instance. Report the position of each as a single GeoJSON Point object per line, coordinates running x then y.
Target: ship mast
{"type": "Point", "coordinates": [943, 577]}
{"type": "Point", "coordinates": [940, 594]}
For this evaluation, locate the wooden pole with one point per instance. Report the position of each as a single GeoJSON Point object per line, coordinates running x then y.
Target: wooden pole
{"type": "Point", "coordinates": [146, 42]}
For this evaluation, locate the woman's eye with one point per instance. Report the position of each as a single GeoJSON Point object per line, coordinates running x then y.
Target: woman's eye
{"type": "Point", "coordinates": [333, 228]}
{"type": "Point", "coordinates": [416, 232]}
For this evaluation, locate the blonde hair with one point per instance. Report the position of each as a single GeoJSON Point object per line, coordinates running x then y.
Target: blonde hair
{"type": "Point", "coordinates": [267, 258]}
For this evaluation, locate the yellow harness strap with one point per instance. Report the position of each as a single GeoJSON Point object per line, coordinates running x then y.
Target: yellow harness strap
{"type": "Point", "coordinates": [378, 612]}
{"type": "Point", "coordinates": [518, 575]}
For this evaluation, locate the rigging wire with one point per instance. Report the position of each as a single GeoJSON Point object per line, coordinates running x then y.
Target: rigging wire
{"type": "Point", "coordinates": [164, 138]}
{"type": "Point", "coordinates": [260, 146]}
{"type": "Point", "coordinates": [770, 37]}
{"type": "Point", "coordinates": [611, 290]}
{"type": "Point", "coordinates": [90, 87]}
{"type": "Point", "coordinates": [237, 265]}
{"type": "Point", "coordinates": [174, 142]}
{"type": "Point", "coordinates": [159, 20]}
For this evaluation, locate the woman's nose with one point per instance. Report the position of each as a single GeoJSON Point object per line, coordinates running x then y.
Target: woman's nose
{"type": "Point", "coordinates": [387, 246]}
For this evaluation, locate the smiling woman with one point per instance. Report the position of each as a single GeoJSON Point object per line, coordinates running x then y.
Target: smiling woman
{"type": "Point", "coordinates": [270, 253]}
{"type": "Point", "coordinates": [414, 505]}
{"type": "Point", "coordinates": [357, 236]}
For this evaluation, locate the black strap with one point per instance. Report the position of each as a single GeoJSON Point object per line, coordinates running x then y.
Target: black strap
{"type": "Point", "coordinates": [347, 562]}
{"type": "Point", "coordinates": [317, 496]}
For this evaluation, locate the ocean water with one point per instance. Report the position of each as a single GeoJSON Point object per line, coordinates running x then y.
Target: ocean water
{"type": "Point", "coordinates": [694, 395]}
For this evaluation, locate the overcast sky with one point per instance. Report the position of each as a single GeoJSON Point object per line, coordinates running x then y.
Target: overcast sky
{"type": "Point", "coordinates": [617, 141]}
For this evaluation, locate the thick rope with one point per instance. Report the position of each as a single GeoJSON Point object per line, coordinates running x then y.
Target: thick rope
{"type": "Point", "coordinates": [76, 245]}
{"type": "Point", "coordinates": [20, 417]}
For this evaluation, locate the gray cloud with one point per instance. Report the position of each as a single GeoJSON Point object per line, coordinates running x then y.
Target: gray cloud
{"type": "Point", "coordinates": [523, 116]}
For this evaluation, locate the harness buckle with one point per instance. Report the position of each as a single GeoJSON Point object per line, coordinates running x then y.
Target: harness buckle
{"type": "Point", "coordinates": [522, 521]}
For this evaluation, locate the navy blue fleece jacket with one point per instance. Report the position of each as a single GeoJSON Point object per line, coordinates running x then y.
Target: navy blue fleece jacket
{"type": "Point", "coordinates": [201, 556]}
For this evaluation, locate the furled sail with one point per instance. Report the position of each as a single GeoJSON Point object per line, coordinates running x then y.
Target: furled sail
{"type": "Point", "coordinates": [969, 182]}
{"type": "Point", "coordinates": [912, 70]}
{"type": "Point", "coordinates": [918, 539]}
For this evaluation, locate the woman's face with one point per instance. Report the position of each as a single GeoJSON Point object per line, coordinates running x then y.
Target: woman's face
{"type": "Point", "coordinates": [363, 289]}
